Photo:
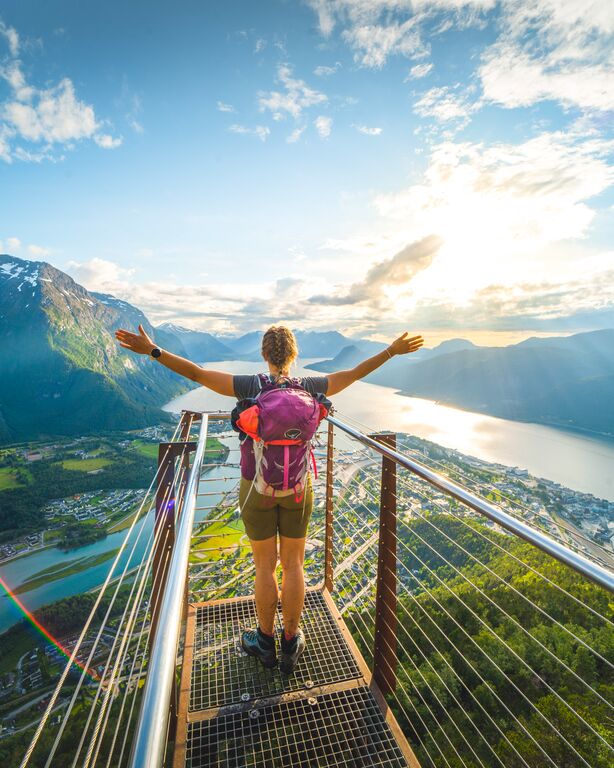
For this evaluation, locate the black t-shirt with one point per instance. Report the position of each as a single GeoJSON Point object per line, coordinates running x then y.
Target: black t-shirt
{"type": "Point", "coordinates": [248, 385]}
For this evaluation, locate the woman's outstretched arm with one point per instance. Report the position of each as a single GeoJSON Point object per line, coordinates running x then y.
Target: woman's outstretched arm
{"type": "Point", "coordinates": [401, 346]}
{"type": "Point", "coordinates": [140, 343]}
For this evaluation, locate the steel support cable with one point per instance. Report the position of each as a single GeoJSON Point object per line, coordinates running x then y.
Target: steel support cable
{"type": "Point", "coordinates": [159, 532]}
{"type": "Point", "coordinates": [103, 729]}
{"type": "Point", "coordinates": [402, 708]}
{"type": "Point", "coordinates": [143, 656]}
{"type": "Point", "coordinates": [520, 594]}
{"type": "Point", "coordinates": [560, 540]}
{"type": "Point", "coordinates": [434, 694]}
{"type": "Point", "coordinates": [525, 597]}
{"type": "Point", "coordinates": [484, 652]}
{"type": "Point", "coordinates": [519, 560]}
{"type": "Point", "coordinates": [469, 480]}
{"type": "Point", "coordinates": [121, 657]}
{"type": "Point", "coordinates": [503, 642]}
{"type": "Point", "coordinates": [28, 754]}
{"type": "Point", "coordinates": [147, 561]}
{"type": "Point", "coordinates": [126, 638]}
{"type": "Point", "coordinates": [437, 699]}
{"type": "Point", "coordinates": [493, 692]}
{"type": "Point", "coordinates": [459, 678]}
{"type": "Point", "coordinates": [409, 699]}
{"type": "Point", "coordinates": [461, 708]}
{"type": "Point", "coordinates": [96, 641]}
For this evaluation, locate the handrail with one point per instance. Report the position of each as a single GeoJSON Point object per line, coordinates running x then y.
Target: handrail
{"type": "Point", "coordinates": [151, 731]}
{"type": "Point", "coordinates": [578, 562]}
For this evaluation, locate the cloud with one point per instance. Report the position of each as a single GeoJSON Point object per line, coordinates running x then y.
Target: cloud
{"type": "Point", "coordinates": [260, 45]}
{"type": "Point", "coordinates": [295, 135]}
{"type": "Point", "coordinates": [225, 107]}
{"type": "Point", "coordinates": [326, 71]}
{"type": "Point", "coordinates": [583, 304]}
{"type": "Point", "coordinates": [11, 36]}
{"type": "Point", "coordinates": [47, 116]}
{"type": "Point", "coordinates": [107, 142]}
{"type": "Point", "coordinates": [552, 50]}
{"type": "Point", "coordinates": [295, 97]}
{"type": "Point", "coordinates": [323, 126]}
{"type": "Point", "coordinates": [38, 250]}
{"type": "Point", "coordinates": [395, 272]}
{"type": "Point", "coordinates": [261, 131]}
{"type": "Point", "coordinates": [419, 70]}
{"type": "Point", "coordinates": [444, 105]}
{"type": "Point", "coordinates": [368, 131]}
{"type": "Point", "coordinates": [378, 29]}
{"type": "Point", "coordinates": [13, 243]}
{"type": "Point", "coordinates": [518, 196]}
{"type": "Point", "coordinates": [100, 275]}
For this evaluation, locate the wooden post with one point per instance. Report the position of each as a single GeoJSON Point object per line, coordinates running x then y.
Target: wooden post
{"type": "Point", "coordinates": [385, 645]}
{"type": "Point", "coordinates": [168, 496]}
{"type": "Point", "coordinates": [328, 537]}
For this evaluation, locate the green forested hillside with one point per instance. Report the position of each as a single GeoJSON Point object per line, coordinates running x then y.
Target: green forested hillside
{"type": "Point", "coordinates": [63, 372]}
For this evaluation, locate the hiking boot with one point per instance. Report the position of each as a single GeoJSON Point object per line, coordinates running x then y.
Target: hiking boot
{"type": "Point", "coordinates": [255, 643]}
{"type": "Point", "coordinates": [291, 651]}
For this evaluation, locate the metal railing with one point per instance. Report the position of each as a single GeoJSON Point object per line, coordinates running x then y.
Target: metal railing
{"type": "Point", "coordinates": [149, 745]}
{"type": "Point", "coordinates": [575, 560]}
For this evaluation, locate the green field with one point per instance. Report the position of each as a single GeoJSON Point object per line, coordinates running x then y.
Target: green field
{"type": "Point", "coordinates": [85, 465]}
{"type": "Point", "coordinates": [218, 542]}
{"type": "Point", "coordinates": [147, 449]}
{"type": "Point", "coordinates": [24, 640]}
{"type": "Point", "coordinates": [8, 479]}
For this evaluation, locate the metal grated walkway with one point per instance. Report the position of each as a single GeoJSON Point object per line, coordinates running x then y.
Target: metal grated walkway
{"type": "Point", "coordinates": [234, 713]}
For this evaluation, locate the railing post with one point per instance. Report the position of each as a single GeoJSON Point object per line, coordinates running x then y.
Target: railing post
{"type": "Point", "coordinates": [328, 537]}
{"type": "Point", "coordinates": [167, 498]}
{"type": "Point", "coordinates": [385, 642]}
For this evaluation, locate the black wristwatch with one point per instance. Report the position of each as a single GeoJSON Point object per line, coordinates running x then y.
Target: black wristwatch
{"type": "Point", "coordinates": [156, 352]}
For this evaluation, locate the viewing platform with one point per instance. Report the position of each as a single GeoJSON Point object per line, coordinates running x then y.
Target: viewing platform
{"type": "Point", "coordinates": [443, 630]}
{"type": "Point", "coordinates": [234, 712]}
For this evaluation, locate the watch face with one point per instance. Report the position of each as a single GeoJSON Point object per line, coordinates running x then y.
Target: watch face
{"type": "Point", "coordinates": [155, 352]}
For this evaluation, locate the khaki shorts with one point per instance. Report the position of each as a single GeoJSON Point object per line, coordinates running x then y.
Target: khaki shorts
{"type": "Point", "coordinates": [263, 519]}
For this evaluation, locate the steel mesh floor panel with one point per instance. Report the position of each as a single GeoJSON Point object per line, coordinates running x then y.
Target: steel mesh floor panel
{"type": "Point", "coordinates": [222, 674]}
{"type": "Point", "coordinates": [343, 728]}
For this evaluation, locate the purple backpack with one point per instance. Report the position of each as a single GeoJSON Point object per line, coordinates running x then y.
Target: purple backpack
{"type": "Point", "coordinates": [278, 425]}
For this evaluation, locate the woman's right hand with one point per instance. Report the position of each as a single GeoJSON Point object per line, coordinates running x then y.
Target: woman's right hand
{"type": "Point", "coordinates": [137, 342]}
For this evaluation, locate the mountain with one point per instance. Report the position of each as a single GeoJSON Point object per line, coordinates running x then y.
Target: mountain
{"type": "Point", "coordinates": [353, 354]}
{"type": "Point", "coordinates": [63, 372]}
{"type": "Point", "coordinates": [348, 357]}
{"type": "Point", "coordinates": [196, 345]}
{"type": "Point", "coordinates": [310, 344]}
{"type": "Point", "coordinates": [567, 381]}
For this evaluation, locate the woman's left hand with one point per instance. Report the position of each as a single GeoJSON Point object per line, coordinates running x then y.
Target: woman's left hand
{"type": "Point", "coordinates": [405, 344]}
{"type": "Point", "coordinates": [137, 342]}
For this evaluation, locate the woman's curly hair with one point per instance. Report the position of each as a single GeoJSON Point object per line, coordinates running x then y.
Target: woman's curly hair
{"type": "Point", "coordinates": [279, 346]}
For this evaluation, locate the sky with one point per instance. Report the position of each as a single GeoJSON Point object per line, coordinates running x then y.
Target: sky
{"type": "Point", "coordinates": [371, 166]}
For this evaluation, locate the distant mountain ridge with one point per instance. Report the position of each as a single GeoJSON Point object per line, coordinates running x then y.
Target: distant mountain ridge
{"type": "Point", "coordinates": [63, 371]}
{"type": "Point", "coordinates": [561, 381]}
{"type": "Point", "coordinates": [351, 355]}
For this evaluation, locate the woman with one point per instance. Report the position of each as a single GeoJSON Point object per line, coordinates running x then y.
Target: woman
{"type": "Point", "coordinates": [263, 520]}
